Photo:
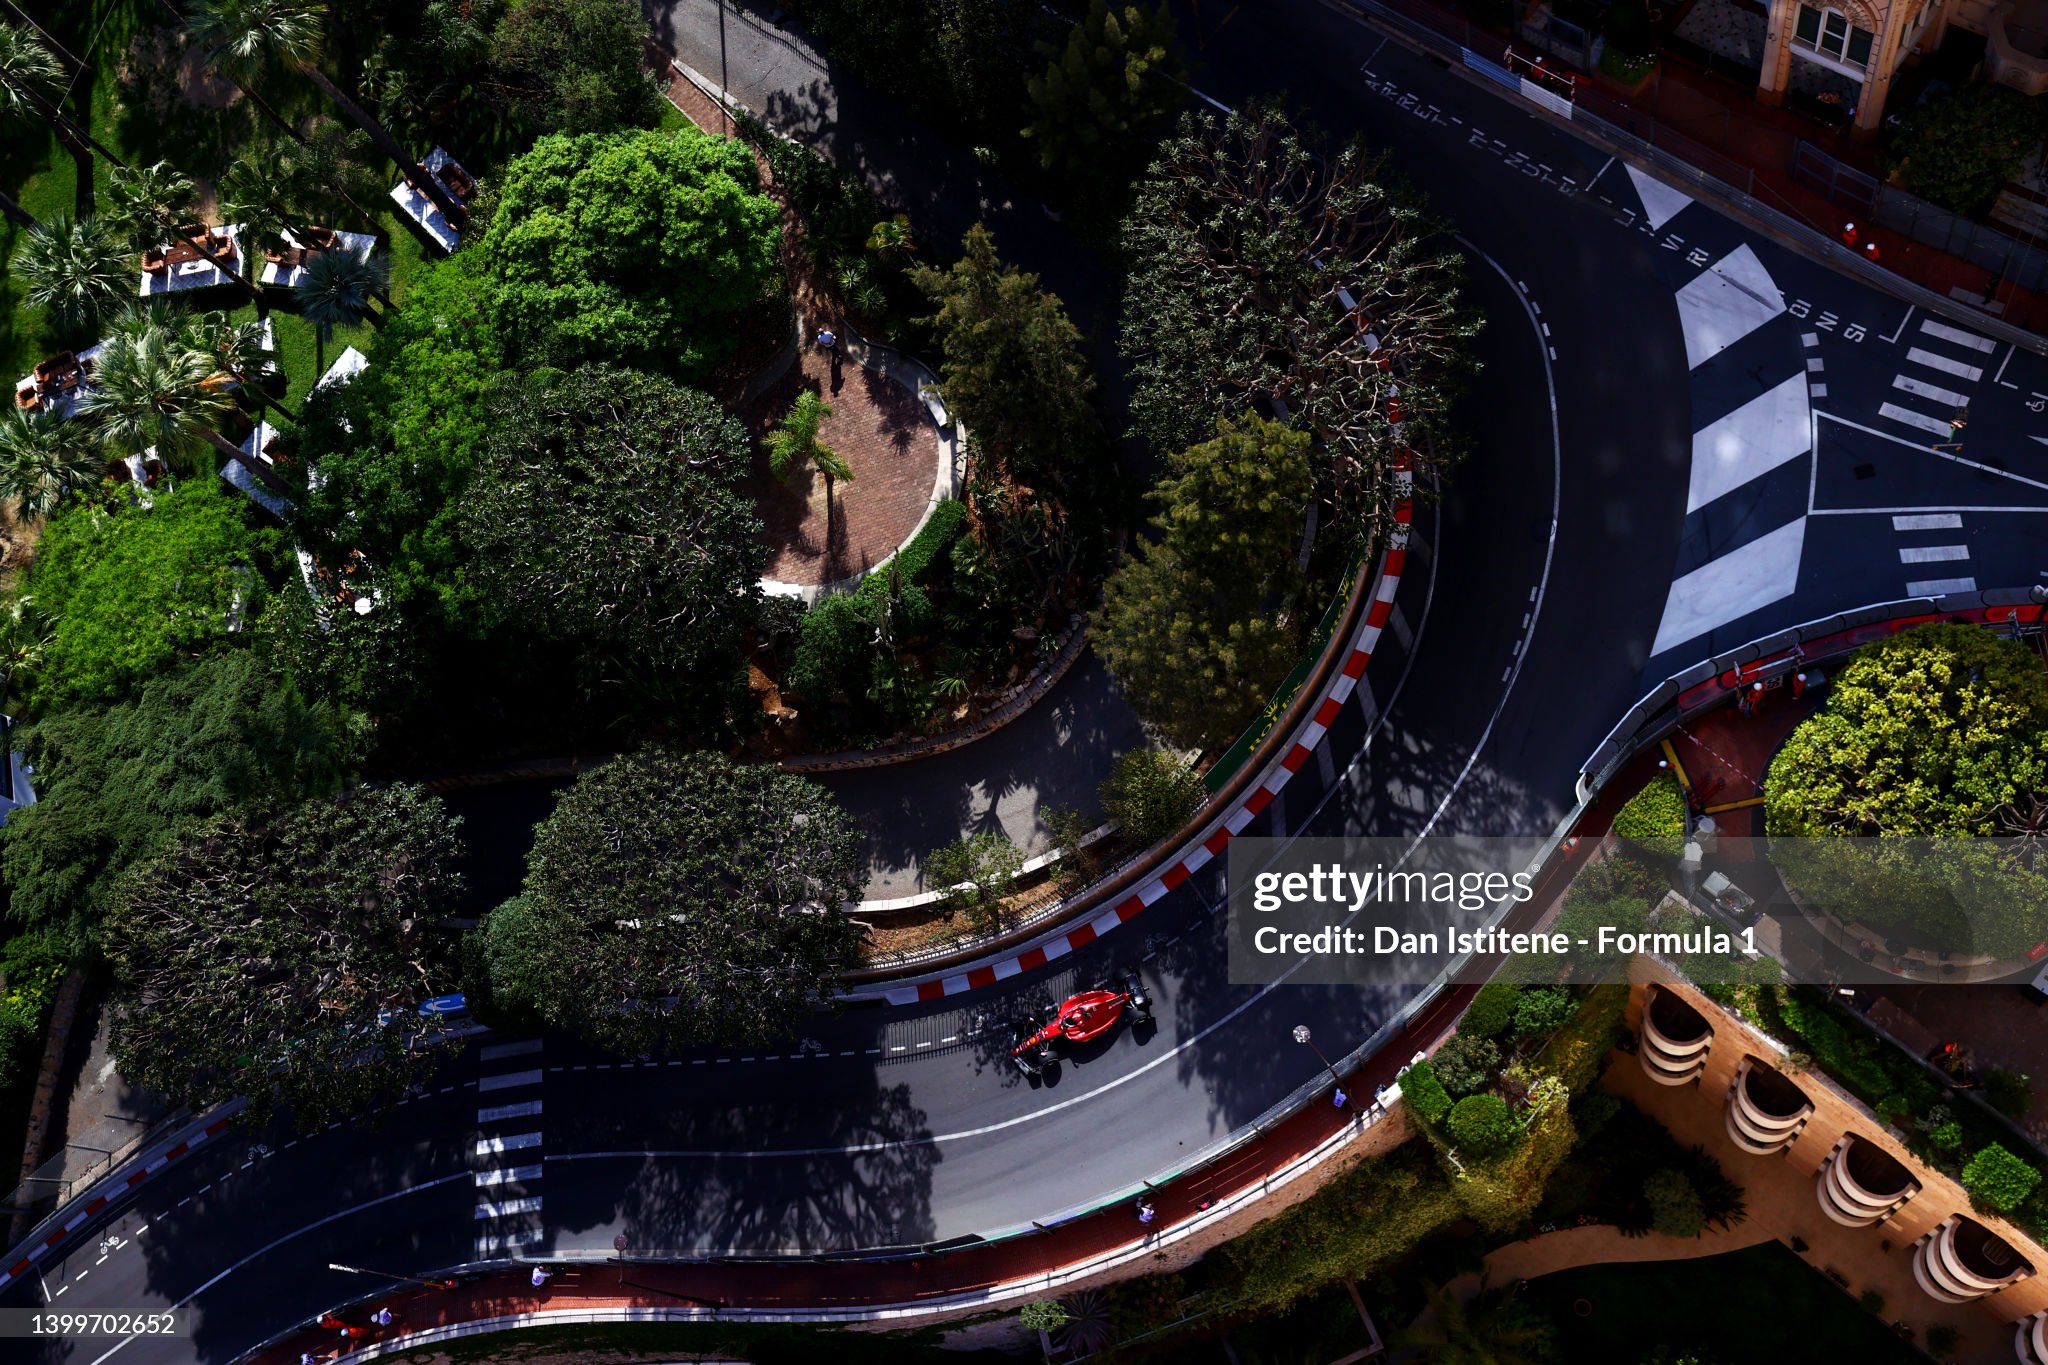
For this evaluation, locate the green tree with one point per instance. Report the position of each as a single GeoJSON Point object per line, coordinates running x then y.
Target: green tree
{"type": "Point", "coordinates": [1426, 1094]}
{"type": "Point", "coordinates": [1044, 1315]}
{"type": "Point", "coordinates": [44, 457]}
{"type": "Point", "coordinates": [1259, 261]}
{"type": "Point", "coordinates": [131, 589]}
{"type": "Point", "coordinates": [242, 34]}
{"type": "Point", "coordinates": [795, 444]}
{"type": "Point", "coordinates": [574, 66]}
{"type": "Point", "coordinates": [1675, 1208]}
{"type": "Point", "coordinates": [115, 783]}
{"type": "Point", "coordinates": [955, 59]}
{"type": "Point", "coordinates": [1492, 1329]}
{"type": "Point", "coordinates": [1998, 1180]}
{"type": "Point", "coordinates": [1106, 92]}
{"type": "Point", "coordinates": [1654, 817]}
{"type": "Point", "coordinates": [1151, 793]}
{"type": "Point", "coordinates": [1543, 1011]}
{"type": "Point", "coordinates": [609, 518]}
{"type": "Point", "coordinates": [1491, 1010]}
{"type": "Point", "coordinates": [679, 899]}
{"type": "Point", "coordinates": [1467, 1063]}
{"type": "Point", "coordinates": [1012, 365]}
{"type": "Point", "coordinates": [337, 289]}
{"type": "Point", "coordinates": [1195, 628]}
{"type": "Point", "coordinates": [630, 247]}
{"type": "Point", "coordinates": [31, 86]}
{"type": "Point", "coordinates": [1481, 1126]}
{"type": "Point", "coordinates": [395, 447]}
{"type": "Point", "coordinates": [282, 957]}
{"type": "Point", "coordinates": [976, 873]}
{"type": "Point", "coordinates": [1962, 147]}
{"type": "Point", "coordinates": [78, 269]}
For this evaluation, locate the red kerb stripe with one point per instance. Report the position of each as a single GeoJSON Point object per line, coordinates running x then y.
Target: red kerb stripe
{"type": "Point", "coordinates": [1032, 960]}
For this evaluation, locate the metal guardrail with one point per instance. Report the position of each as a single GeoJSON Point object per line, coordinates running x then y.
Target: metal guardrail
{"type": "Point", "coordinates": [1624, 143]}
{"type": "Point", "coordinates": [1659, 708]}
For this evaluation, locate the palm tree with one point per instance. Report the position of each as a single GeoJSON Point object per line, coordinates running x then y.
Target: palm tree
{"type": "Point", "coordinates": [242, 355]}
{"type": "Point", "coordinates": [230, 51]}
{"type": "Point", "coordinates": [25, 633]}
{"type": "Point", "coordinates": [31, 82]}
{"type": "Point", "coordinates": [335, 289]}
{"type": "Point", "coordinates": [152, 387]}
{"type": "Point", "coordinates": [77, 268]}
{"type": "Point", "coordinates": [892, 237]}
{"type": "Point", "coordinates": [151, 204]}
{"type": "Point", "coordinates": [289, 30]}
{"type": "Point", "coordinates": [42, 457]}
{"type": "Point", "coordinates": [795, 442]}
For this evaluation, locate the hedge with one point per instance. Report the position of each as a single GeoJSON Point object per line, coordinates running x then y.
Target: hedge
{"type": "Point", "coordinates": [1655, 816]}
{"type": "Point", "coordinates": [1425, 1093]}
{"type": "Point", "coordinates": [1482, 1125]}
{"type": "Point", "coordinates": [1998, 1180]}
{"type": "Point", "coordinates": [1491, 1011]}
{"type": "Point", "coordinates": [835, 641]}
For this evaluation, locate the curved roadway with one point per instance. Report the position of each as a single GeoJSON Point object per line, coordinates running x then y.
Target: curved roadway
{"type": "Point", "coordinates": [1524, 623]}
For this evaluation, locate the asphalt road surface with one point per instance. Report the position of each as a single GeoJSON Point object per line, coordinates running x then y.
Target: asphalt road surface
{"type": "Point", "coordinates": [1550, 582]}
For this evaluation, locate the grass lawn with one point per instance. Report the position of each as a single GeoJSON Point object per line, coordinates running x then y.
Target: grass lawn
{"type": "Point", "coordinates": [145, 118]}
{"type": "Point", "coordinates": [1733, 1307]}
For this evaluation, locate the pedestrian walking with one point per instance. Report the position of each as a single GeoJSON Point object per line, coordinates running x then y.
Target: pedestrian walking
{"type": "Point", "coordinates": [1756, 697]}
{"type": "Point", "coordinates": [541, 1276]}
{"type": "Point", "coordinates": [1337, 1100]}
{"type": "Point", "coordinates": [308, 1358]}
{"type": "Point", "coordinates": [1849, 234]}
{"type": "Point", "coordinates": [382, 1317]}
{"type": "Point", "coordinates": [1798, 686]}
{"type": "Point", "coordinates": [1742, 705]}
{"type": "Point", "coordinates": [1871, 253]}
{"type": "Point", "coordinates": [828, 342]}
{"type": "Point", "coordinates": [1146, 1213]}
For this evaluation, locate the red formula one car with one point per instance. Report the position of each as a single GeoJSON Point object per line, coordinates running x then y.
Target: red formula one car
{"type": "Point", "coordinates": [1078, 1019]}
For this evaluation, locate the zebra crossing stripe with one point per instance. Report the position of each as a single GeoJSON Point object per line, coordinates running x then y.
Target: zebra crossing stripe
{"type": "Point", "coordinates": [1941, 362]}
{"type": "Point", "coordinates": [1932, 554]}
{"type": "Point", "coordinates": [507, 1175]}
{"type": "Point", "coordinates": [515, 1142]}
{"type": "Point", "coordinates": [1940, 587]}
{"type": "Point", "coordinates": [1920, 388]}
{"type": "Point", "coordinates": [508, 1208]}
{"type": "Point", "coordinates": [1958, 336]}
{"type": "Point", "coordinates": [513, 1079]}
{"type": "Point", "coordinates": [499, 1051]}
{"type": "Point", "coordinates": [1928, 521]}
{"type": "Point", "coordinates": [525, 1109]}
{"type": "Point", "coordinates": [1934, 426]}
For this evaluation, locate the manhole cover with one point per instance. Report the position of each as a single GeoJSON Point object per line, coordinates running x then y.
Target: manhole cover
{"type": "Point", "coordinates": [1865, 471]}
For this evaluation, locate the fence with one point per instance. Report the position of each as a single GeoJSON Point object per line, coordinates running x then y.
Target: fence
{"type": "Point", "coordinates": [2009, 259]}
{"type": "Point", "coordinates": [1631, 133]}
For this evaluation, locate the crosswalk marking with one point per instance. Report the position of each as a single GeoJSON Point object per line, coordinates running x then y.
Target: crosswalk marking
{"type": "Point", "coordinates": [1932, 361]}
{"type": "Point", "coordinates": [512, 1079]}
{"type": "Point", "coordinates": [1921, 388]}
{"type": "Point", "coordinates": [490, 1243]}
{"type": "Point", "coordinates": [1933, 425]}
{"type": "Point", "coordinates": [507, 1175]}
{"type": "Point", "coordinates": [509, 1207]}
{"type": "Point", "coordinates": [1932, 554]}
{"type": "Point", "coordinates": [525, 1109]}
{"type": "Point", "coordinates": [511, 1143]}
{"type": "Point", "coordinates": [1764, 571]}
{"type": "Point", "coordinates": [1958, 336]}
{"type": "Point", "coordinates": [497, 1051]}
{"type": "Point", "coordinates": [1928, 521]}
{"type": "Point", "coordinates": [1940, 587]}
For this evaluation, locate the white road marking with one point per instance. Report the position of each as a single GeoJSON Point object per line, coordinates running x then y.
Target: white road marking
{"type": "Point", "coordinates": [509, 1207]}
{"type": "Point", "coordinates": [496, 1051]}
{"type": "Point", "coordinates": [510, 1080]}
{"type": "Point", "coordinates": [1932, 554]}
{"type": "Point", "coordinates": [507, 1175]}
{"type": "Point", "coordinates": [1906, 416]}
{"type": "Point", "coordinates": [1958, 336]}
{"type": "Point", "coordinates": [524, 1109]}
{"type": "Point", "coordinates": [1764, 571]}
{"type": "Point", "coordinates": [510, 1143]}
{"type": "Point", "coordinates": [1940, 587]}
{"type": "Point", "coordinates": [1927, 521]}
{"type": "Point", "coordinates": [1661, 202]}
{"type": "Point", "coordinates": [1770, 430]}
{"type": "Point", "coordinates": [1944, 364]}
{"type": "Point", "coordinates": [1725, 303]}
{"type": "Point", "coordinates": [1922, 389]}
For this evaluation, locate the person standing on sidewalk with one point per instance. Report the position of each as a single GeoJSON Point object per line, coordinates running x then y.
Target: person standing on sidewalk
{"type": "Point", "coordinates": [541, 1275]}
{"type": "Point", "coordinates": [828, 342]}
{"type": "Point", "coordinates": [1146, 1213]}
{"type": "Point", "coordinates": [382, 1317]}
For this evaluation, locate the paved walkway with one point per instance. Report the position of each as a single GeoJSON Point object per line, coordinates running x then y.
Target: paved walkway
{"type": "Point", "coordinates": [1057, 752]}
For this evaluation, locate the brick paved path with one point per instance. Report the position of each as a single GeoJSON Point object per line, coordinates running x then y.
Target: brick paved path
{"type": "Point", "coordinates": [878, 427]}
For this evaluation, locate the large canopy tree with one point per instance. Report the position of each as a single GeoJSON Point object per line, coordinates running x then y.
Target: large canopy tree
{"type": "Point", "coordinates": [574, 66]}
{"type": "Point", "coordinates": [1260, 262]}
{"type": "Point", "coordinates": [283, 956]}
{"type": "Point", "coordinates": [1192, 627]}
{"type": "Point", "coordinates": [608, 517]}
{"type": "Point", "coordinates": [632, 248]}
{"type": "Point", "coordinates": [115, 783]}
{"type": "Point", "coordinates": [1106, 92]}
{"type": "Point", "coordinates": [673, 900]}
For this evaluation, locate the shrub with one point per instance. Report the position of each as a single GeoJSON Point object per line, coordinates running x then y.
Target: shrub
{"type": "Point", "coordinates": [1466, 1063]}
{"type": "Point", "coordinates": [1998, 1180]}
{"type": "Point", "coordinates": [1491, 1011]}
{"type": "Point", "coordinates": [1655, 816]}
{"type": "Point", "coordinates": [1543, 1011]}
{"type": "Point", "coordinates": [1870, 1301]}
{"type": "Point", "coordinates": [1044, 1315]}
{"type": "Point", "coordinates": [1482, 1125]}
{"type": "Point", "coordinates": [1946, 1137]}
{"type": "Point", "coordinates": [1675, 1208]}
{"type": "Point", "coordinates": [1942, 1340]}
{"type": "Point", "coordinates": [1577, 1052]}
{"type": "Point", "coordinates": [976, 873]}
{"type": "Point", "coordinates": [1150, 793]}
{"type": "Point", "coordinates": [1425, 1093]}
{"type": "Point", "coordinates": [834, 650]}
{"type": "Point", "coordinates": [32, 966]}
{"type": "Point", "coordinates": [2009, 1092]}
{"type": "Point", "coordinates": [914, 561]}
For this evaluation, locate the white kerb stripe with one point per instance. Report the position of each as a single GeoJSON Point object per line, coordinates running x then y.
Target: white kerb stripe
{"type": "Point", "coordinates": [1104, 922]}
{"type": "Point", "coordinates": [953, 985]}
{"type": "Point", "coordinates": [1239, 818]}
{"type": "Point", "coordinates": [1151, 891]}
{"type": "Point", "coordinates": [1342, 691]}
{"type": "Point", "coordinates": [1197, 860]}
{"type": "Point", "coordinates": [1058, 947]}
{"type": "Point", "coordinates": [509, 1080]}
{"type": "Point", "coordinates": [1008, 968]}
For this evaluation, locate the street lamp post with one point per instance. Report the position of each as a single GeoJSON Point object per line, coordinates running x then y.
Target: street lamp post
{"type": "Point", "coordinates": [1302, 1036]}
{"type": "Point", "coordinates": [619, 1245]}
{"type": "Point", "coordinates": [392, 1275]}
